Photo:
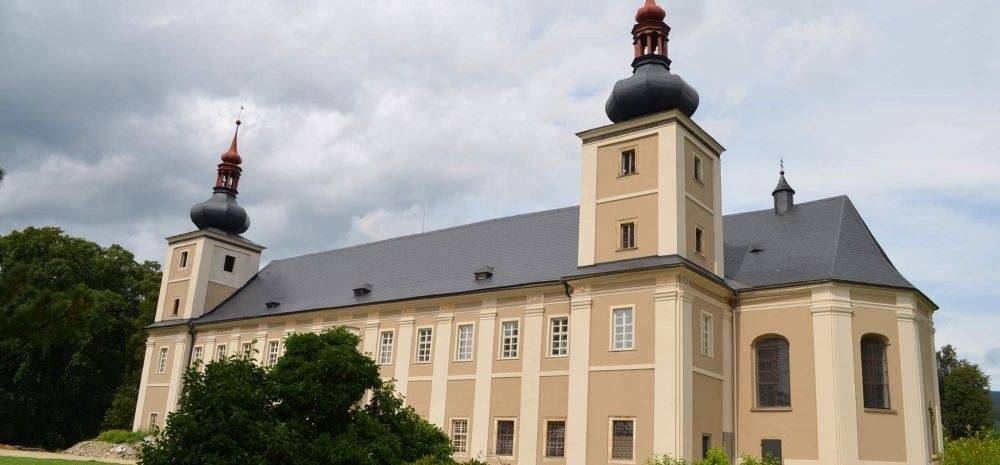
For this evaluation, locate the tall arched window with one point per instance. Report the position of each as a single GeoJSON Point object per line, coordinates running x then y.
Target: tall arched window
{"type": "Point", "coordinates": [874, 372]}
{"type": "Point", "coordinates": [773, 387]}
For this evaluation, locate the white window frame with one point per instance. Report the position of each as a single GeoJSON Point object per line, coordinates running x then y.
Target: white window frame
{"type": "Point", "coordinates": [429, 345]}
{"type": "Point", "coordinates": [182, 260]}
{"type": "Point", "coordinates": [246, 348]}
{"type": "Point", "coordinates": [161, 360]}
{"type": "Point", "coordinates": [273, 355]}
{"type": "Point", "coordinates": [611, 438]}
{"type": "Point", "coordinates": [551, 339]}
{"type": "Point", "coordinates": [502, 355]}
{"type": "Point", "coordinates": [383, 357]}
{"type": "Point", "coordinates": [451, 434]}
{"type": "Point", "coordinates": [221, 354]}
{"type": "Point", "coordinates": [635, 234]}
{"type": "Point", "coordinates": [496, 437]}
{"type": "Point", "coordinates": [707, 337]}
{"type": "Point", "coordinates": [198, 354]}
{"type": "Point", "coordinates": [621, 161]}
{"type": "Point", "coordinates": [611, 328]}
{"type": "Point", "coordinates": [699, 245]}
{"type": "Point", "coordinates": [545, 440]}
{"type": "Point", "coordinates": [458, 341]}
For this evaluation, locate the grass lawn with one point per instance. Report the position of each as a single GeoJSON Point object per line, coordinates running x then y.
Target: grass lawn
{"type": "Point", "coordinates": [27, 461]}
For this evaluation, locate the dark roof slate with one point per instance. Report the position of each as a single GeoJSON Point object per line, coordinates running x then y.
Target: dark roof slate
{"type": "Point", "coordinates": [814, 241]}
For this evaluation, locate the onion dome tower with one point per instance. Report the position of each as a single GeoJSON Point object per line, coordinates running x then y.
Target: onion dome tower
{"type": "Point", "coordinates": [221, 210]}
{"type": "Point", "coordinates": [652, 88]}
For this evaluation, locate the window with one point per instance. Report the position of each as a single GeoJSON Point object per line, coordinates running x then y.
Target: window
{"type": "Point", "coordinates": [555, 439]}
{"type": "Point", "coordinates": [504, 438]}
{"type": "Point", "coordinates": [508, 348]}
{"type": "Point", "coordinates": [220, 352]}
{"type": "Point", "coordinates": [272, 353]}
{"type": "Point", "coordinates": [628, 163]}
{"type": "Point", "coordinates": [153, 418]}
{"type": "Point", "coordinates": [699, 241]}
{"type": "Point", "coordinates": [559, 336]}
{"type": "Point", "coordinates": [772, 373]}
{"type": "Point", "coordinates": [460, 436]}
{"type": "Point", "coordinates": [707, 335]}
{"type": "Point", "coordinates": [463, 350]}
{"type": "Point", "coordinates": [699, 172]}
{"type": "Point", "coordinates": [771, 448]}
{"type": "Point", "coordinates": [199, 354]}
{"type": "Point", "coordinates": [229, 264]}
{"type": "Point", "coordinates": [706, 444]}
{"type": "Point", "coordinates": [623, 440]}
{"type": "Point", "coordinates": [161, 363]}
{"type": "Point", "coordinates": [385, 348]}
{"type": "Point", "coordinates": [623, 325]}
{"type": "Point", "coordinates": [424, 336]}
{"type": "Point", "coordinates": [184, 260]}
{"type": "Point", "coordinates": [874, 373]}
{"type": "Point", "coordinates": [177, 307]}
{"type": "Point", "coordinates": [246, 349]}
{"type": "Point", "coordinates": [627, 236]}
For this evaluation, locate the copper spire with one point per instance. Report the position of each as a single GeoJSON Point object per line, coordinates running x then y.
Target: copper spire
{"type": "Point", "coordinates": [232, 155]}
{"type": "Point", "coordinates": [649, 35]}
{"type": "Point", "coordinates": [650, 12]}
{"type": "Point", "coordinates": [229, 170]}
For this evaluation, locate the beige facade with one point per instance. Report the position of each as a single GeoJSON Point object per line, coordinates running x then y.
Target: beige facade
{"type": "Point", "coordinates": [608, 368]}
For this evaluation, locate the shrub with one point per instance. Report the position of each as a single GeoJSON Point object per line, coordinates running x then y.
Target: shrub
{"type": "Point", "coordinates": [750, 460]}
{"type": "Point", "coordinates": [122, 436]}
{"type": "Point", "coordinates": [715, 456]}
{"type": "Point", "coordinates": [982, 448]}
{"type": "Point", "coordinates": [665, 460]}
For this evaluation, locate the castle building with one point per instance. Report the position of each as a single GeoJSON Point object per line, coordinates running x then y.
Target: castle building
{"type": "Point", "coordinates": [642, 321]}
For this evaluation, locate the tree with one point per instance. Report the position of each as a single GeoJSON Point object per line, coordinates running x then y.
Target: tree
{"type": "Point", "coordinates": [67, 308]}
{"type": "Point", "coordinates": [2, 175]}
{"type": "Point", "coordinates": [966, 407]}
{"type": "Point", "coordinates": [310, 406]}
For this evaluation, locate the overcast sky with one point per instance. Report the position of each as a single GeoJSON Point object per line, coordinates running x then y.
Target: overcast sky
{"type": "Point", "coordinates": [361, 115]}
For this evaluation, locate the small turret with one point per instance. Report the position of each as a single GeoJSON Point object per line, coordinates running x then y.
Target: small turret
{"type": "Point", "coordinates": [784, 195]}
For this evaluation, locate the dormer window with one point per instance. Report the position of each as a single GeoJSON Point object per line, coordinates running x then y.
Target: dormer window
{"type": "Point", "coordinates": [699, 171]}
{"type": "Point", "coordinates": [484, 273]}
{"type": "Point", "coordinates": [229, 264]}
{"type": "Point", "coordinates": [362, 290]}
{"type": "Point", "coordinates": [627, 163]}
{"type": "Point", "coordinates": [184, 260]}
{"type": "Point", "coordinates": [626, 235]}
{"type": "Point", "coordinates": [272, 304]}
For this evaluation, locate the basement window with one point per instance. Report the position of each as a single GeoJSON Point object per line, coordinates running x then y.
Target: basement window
{"type": "Point", "coordinates": [229, 264]}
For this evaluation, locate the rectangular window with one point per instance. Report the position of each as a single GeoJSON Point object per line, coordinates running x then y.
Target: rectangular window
{"type": "Point", "coordinates": [706, 444]}
{"type": "Point", "coordinates": [272, 353]}
{"type": "Point", "coordinates": [699, 241]}
{"type": "Point", "coordinates": [460, 436]}
{"type": "Point", "coordinates": [184, 260]}
{"type": "Point", "coordinates": [628, 163]}
{"type": "Point", "coordinates": [559, 336]}
{"type": "Point", "coordinates": [246, 349]}
{"type": "Point", "coordinates": [627, 235]}
{"type": "Point", "coordinates": [199, 354]}
{"type": "Point", "coordinates": [771, 448]}
{"type": "Point", "coordinates": [555, 439]}
{"type": "Point", "coordinates": [510, 339]}
{"type": "Point", "coordinates": [220, 352]}
{"type": "Point", "coordinates": [229, 264]}
{"type": "Point", "coordinates": [161, 363]}
{"type": "Point", "coordinates": [505, 438]}
{"type": "Point", "coordinates": [699, 172]}
{"type": "Point", "coordinates": [385, 348]}
{"type": "Point", "coordinates": [424, 342]}
{"type": "Point", "coordinates": [623, 323]}
{"type": "Point", "coordinates": [707, 335]}
{"type": "Point", "coordinates": [463, 350]}
{"type": "Point", "coordinates": [153, 418]}
{"type": "Point", "coordinates": [623, 440]}
{"type": "Point", "coordinates": [177, 307]}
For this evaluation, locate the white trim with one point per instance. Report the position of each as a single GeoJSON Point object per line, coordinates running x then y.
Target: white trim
{"type": "Point", "coordinates": [548, 340]}
{"type": "Point", "coordinates": [710, 374]}
{"type": "Point", "coordinates": [701, 335]}
{"type": "Point", "coordinates": [630, 195]}
{"type": "Point", "coordinates": [693, 199]}
{"type": "Point", "coordinates": [530, 380]}
{"type": "Point", "coordinates": [611, 328]}
{"type": "Point", "coordinates": [381, 346]}
{"type": "Point", "coordinates": [517, 347]}
{"type": "Point", "coordinates": [401, 373]}
{"type": "Point", "coordinates": [416, 346]}
{"type": "Point", "coordinates": [639, 366]}
{"type": "Point", "coordinates": [458, 336]}
{"type": "Point", "coordinates": [611, 433]}
{"type": "Point", "coordinates": [479, 444]}
{"type": "Point", "coordinates": [440, 348]}
{"type": "Point", "coordinates": [143, 385]}
{"type": "Point", "coordinates": [579, 379]}
{"type": "Point", "coordinates": [545, 439]}
{"type": "Point", "coordinates": [468, 434]}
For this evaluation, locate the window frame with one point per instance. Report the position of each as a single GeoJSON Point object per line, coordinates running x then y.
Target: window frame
{"type": "Point", "coordinates": [246, 348]}
{"type": "Point", "coordinates": [698, 168]}
{"type": "Point", "coordinates": [152, 418]}
{"type": "Point", "coordinates": [197, 354]}
{"type": "Point", "coordinates": [502, 352]}
{"type": "Point", "coordinates": [545, 439]}
{"type": "Point", "coordinates": [611, 438]}
{"type": "Point", "coordinates": [221, 352]}
{"type": "Point", "coordinates": [611, 328]}
{"type": "Point", "coordinates": [417, 346]}
{"type": "Point", "coordinates": [451, 435]}
{"type": "Point", "coordinates": [699, 240]}
{"type": "Point", "coordinates": [622, 172]}
{"type": "Point", "coordinates": [886, 400]}
{"type": "Point", "coordinates": [276, 345]}
{"type": "Point", "coordinates": [756, 372]}
{"type": "Point", "coordinates": [513, 436]}
{"type": "Point", "coordinates": [230, 264]}
{"type": "Point", "coordinates": [711, 335]}
{"type": "Point", "coordinates": [620, 234]}
{"type": "Point", "coordinates": [162, 360]}
{"type": "Point", "coordinates": [551, 339]}
{"type": "Point", "coordinates": [458, 342]}
{"type": "Point", "coordinates": [176, 308]}
{"type": "Point", "coordinates": [182, 260]}
{"type": "Point", "coordinates": [381, 346]}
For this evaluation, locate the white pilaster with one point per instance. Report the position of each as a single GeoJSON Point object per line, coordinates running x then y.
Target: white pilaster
{"type": "Point", "coordinates": [439, 372]}
{"type": "Point", "coordinates": [936, 402]}
{"type": "Point", "coordinates": [371, 335]}
{"type": "Point", "coordinates": [727, 383]}
{"type": "Point", "coordinates": [147, 366]}
{"type": "Point", "coordinates": [588, 206]}
{"type": "Point", "coordinates": [670, 188]}
{"type": "Point", "coordinates": [915, 415]}
{"type": "Point", "coordinates": [180, 351]}
{"type": "Point", "coordinates": [836, 402]}
{"type": "Point", "coordinates": [672, 379]}
{"type": "Point", "coordinates": [579, 377]}
{"type": "Point", "coordinates": [478, 442]}
{"type": "Point", "coordinates": [403, 350]}
{"type": "Point", "coordinates": [530, 367]}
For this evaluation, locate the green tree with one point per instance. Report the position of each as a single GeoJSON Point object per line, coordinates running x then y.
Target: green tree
{"type": "Point", "coordinates": [68, 307]}
{"type": "Point", "coordinates": [966, 407]}
{"type": "Point", "coordinates": [310, 405]}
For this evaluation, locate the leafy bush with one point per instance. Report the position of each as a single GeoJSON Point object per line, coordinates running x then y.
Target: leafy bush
{"type": "Point", "coordinates": [665, 460]}
{"type": "Point", "coordinates": [122, 436]}
{"type": "Point", "coordinates": [982, 448]}
{"type": "Point", "coordinates": [715, 456]}
{"type": "Point", "coordinates": [750, 460]}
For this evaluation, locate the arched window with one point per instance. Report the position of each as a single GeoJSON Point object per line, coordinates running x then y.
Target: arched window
{"type": "Point", "coordinates": [773, 387]}
{"type": "Point", "coordinates": [874, 372]}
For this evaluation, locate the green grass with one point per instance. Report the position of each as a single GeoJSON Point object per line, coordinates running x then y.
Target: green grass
{"type": "Point", "coordinates": [27, 461]}
{"type": "Point", "coordinates": [121, 436]}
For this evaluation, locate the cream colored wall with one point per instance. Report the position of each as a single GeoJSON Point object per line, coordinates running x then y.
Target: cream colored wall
{"type": "Point", "coordinates": [642, 211]}
{"type": "Point", "coordinates": [880, 433]}
{"type": "Point", "coordinates": [707, 417]}
{"type": "Point", "coordinates": [175, 290]}
{"type": "Point", "coordinates": [216, 293]}
{"type": "Point", "coordinates": [609, 181]}
{"type": "Point", "coordinates": [175, 271]}
{"type": "Point", "coordinates": [554, 392]}
{"type": "Point", "coordinates": [418, 396]}
{"type": "Point", "coordinates": [704, 190]}
{"type": "Point", "coordinates": [600, 329]}
{"type": "Point", "coordinates": [712, 364]}
{"type": "Point", "coordinates": [607, 401]}
{"type": "Point", "coordinates": [697, 216]}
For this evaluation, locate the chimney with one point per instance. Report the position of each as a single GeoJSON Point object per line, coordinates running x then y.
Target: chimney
{"type": "Point", "coordinates": [784, 196]}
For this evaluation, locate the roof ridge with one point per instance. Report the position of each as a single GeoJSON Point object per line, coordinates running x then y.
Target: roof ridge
{"type": "Point", "coordinates": [408, 236]}
{"type": "Point", "coordinates": [828, 199]}
{"type": "Point", "coordinates": [840, 232]}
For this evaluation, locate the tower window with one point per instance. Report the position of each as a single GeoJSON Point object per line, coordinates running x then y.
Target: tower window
{"type": "Point", "coordinates": [161, 364]}
{"type": "Point", "coordinates": [699, 171]}
{"type": "Point", "coordinates": [177, 307]}
{"type": "Point", "coordinates": [706, 444]}
{"type": "Point", "coordinates": [229, 264]}
{"type": "Point", "coordinates": [627, 163]}
{"type": "Point", "coordinates": [627, 235]}
{"type": "Point", "coordinates": [184, 260]}
{"type": "Point", "coordinates": [699, 241]}
{"type": "Point", "coordinates": [707, 335]}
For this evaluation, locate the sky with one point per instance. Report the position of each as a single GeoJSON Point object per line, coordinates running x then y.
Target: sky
{"type": "Point", "coordinates": [366, 120]}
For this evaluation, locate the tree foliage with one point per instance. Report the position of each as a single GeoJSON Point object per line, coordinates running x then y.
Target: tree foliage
{"type": "Point", "coordinates": [308, 409]}
{"type": "Point", "coordinates": [71, 318]}
{"type": "Point", "coordinates": [966, 407]}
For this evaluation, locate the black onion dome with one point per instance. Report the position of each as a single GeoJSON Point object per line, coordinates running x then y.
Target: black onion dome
{"type": "Point", "coordinates": [652, 88]}
{"type": "Point", "coordinates": [221, 212]}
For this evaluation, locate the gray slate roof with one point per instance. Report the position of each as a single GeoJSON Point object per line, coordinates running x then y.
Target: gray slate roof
{"type": "Point", "coordinates": [815, 241]}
